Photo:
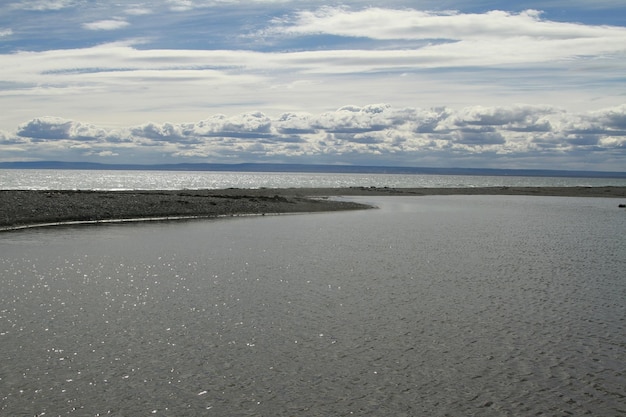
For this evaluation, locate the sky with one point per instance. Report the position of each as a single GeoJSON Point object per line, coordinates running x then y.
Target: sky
{"type": "Point", "coordinates": [447, 83]}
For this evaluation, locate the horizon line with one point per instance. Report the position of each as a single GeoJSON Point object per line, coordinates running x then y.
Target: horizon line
{"type": "Point", "coordinates": [306, 168]}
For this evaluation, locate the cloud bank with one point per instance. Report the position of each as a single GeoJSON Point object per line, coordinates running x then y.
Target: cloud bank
{"type": "Point", "coordinates": [498, 136]}
{"type": "Point", "coordinates": [268, 80]}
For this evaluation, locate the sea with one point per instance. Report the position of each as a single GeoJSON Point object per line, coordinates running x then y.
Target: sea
{"type": "Point", "coordinates": [57, 179]}
{"type": "Point", "coordinates": [424, 306]}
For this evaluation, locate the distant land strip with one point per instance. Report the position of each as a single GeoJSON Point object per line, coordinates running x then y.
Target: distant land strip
{"type": "Point", "coordinates": [28, 208]}
{"type": "Point", "coordinates": [312, 168]}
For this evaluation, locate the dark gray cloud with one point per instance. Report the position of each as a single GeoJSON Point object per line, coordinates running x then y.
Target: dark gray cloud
{"type": "Point", "coordinates": [56, 128]}
{"type": "Point", "coordinates": [46, 128]}
{"type": "Point", "coordinates": [583, 140]}
{"type": "Point", "coordinates": [615, 119]}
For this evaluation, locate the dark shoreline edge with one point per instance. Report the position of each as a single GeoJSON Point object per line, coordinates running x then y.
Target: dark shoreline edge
{"type": "Point", "coordinates": [32, 208]}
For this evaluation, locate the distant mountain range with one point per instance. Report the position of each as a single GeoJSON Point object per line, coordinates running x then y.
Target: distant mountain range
{"type": "Point", "coordinates": [346, 169]}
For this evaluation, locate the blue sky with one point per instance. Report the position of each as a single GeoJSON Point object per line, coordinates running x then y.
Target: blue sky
{"type": "Point", "coordinates": [409, 83]}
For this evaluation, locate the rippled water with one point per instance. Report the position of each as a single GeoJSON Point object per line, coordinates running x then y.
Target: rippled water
{"type": "Point", "coordinates": [177, 180]}
{"type": "Point", "coordinates": [455, 306]}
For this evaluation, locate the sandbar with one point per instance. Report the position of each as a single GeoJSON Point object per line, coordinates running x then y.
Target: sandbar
{"type": "Point", "coordinates": [28, 208]}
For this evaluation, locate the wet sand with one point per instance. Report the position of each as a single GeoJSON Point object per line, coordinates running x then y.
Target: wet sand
{"type": "Point", "coordinates": [25, 208]}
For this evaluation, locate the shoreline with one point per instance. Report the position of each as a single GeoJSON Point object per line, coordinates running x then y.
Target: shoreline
{"type": "Point", "coordinates": [37, 208]}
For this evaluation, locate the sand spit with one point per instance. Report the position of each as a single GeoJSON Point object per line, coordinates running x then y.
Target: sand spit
{"type": "Point", "coordinates": [19, 209]}
{"type": "Point", "coordinates": [22, 208]}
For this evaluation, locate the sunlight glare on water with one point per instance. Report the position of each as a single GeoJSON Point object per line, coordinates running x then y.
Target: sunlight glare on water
{"type": "Point", "coordinates": [178, 180]}
{"type": "Point", "coordinates": [458, 305]}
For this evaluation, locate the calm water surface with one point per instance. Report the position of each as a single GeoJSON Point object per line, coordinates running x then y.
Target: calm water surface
{"type": "Point", "coordinates": [439, 306]}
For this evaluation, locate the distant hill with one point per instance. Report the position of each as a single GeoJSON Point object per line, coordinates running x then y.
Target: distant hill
{"type": "Point", "coordinates": [346, 169]}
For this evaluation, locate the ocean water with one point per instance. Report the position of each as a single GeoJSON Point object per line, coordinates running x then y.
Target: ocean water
{"type": "Point", "coordinates": [178, 180]}
{"type": "Point", "coordinates": [435, 305]}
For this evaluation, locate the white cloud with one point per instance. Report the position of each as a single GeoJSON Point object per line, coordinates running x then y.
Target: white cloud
{"type": "Point", "coordinates": [102, 154]}
{"type": "Point", "coordinates": [379, 23]}
{"type": "Point", "coordinates": [354, 119]}
{"type": "Point", "coordinates": [246, 125]}
{"type": "Point", "coordinates": [294, 123]}
{"type": "Point", "coordinates": [461, 39]}
{"type": "Point", "coordinates": [120, 84]}
{"type": "Point", "coordinates": [185, 5]}
{"type": "Point", "coordinates": [167, 132]}
{"type": "Point", "coordinates": [181, 5]}
{"type": "Point", "coordinates": [138, 11]}
{"type": "Point", "coordinates": [109, 24]}
{"type": "Point", "coordinates": [276, 101]}
{"type": "Point", "coordinates": [43, 5]}
{"type": "Point", "coordinates": [373, 131]}
{"type": "Point", "coordinates": [107, 59]}
{"type": "Point", "coordinates": [113, 63]}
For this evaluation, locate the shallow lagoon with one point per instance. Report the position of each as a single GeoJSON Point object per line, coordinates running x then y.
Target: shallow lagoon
{"type": "Point", "coordinates": [457, 305]}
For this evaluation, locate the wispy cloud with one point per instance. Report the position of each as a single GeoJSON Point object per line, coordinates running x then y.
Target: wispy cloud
{"type": "Point", "coordinates": [109, 24]}
{"type": "Point", "coordinates": [455, 38]}
{"type": "Point", "coordinates": [43, 5]}
{"type": "Point", "coordinates": [379, 23]}
{"type": "Point", "coordinates": [138, 11]}
{"type": "Point", "coordinates": [182, 5]}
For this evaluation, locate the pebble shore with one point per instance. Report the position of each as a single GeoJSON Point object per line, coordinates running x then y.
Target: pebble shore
{"type": "Point", "coordinates": [27, 208]}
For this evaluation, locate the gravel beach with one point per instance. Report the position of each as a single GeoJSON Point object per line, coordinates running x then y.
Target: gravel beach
{"type": "Point", "coordinates": [25, 208]}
